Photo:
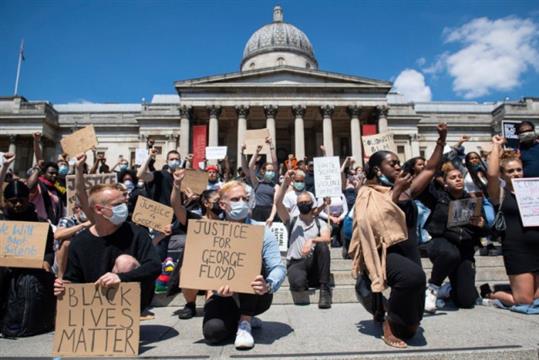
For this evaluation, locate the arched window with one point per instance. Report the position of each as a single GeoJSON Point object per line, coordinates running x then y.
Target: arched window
{"type": "Point", "coordinates": [280, 61]}
{"type": "Point", "coordinates": [252, 65]}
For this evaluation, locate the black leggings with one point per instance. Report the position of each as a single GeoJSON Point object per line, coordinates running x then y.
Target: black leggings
{"type": "Point", "coordinates": [311, 271]}
{"type": "Point", "coordinates": [407, 299]}
{"type": "Point", "coordinates": [221, 314]}
{"type": "Point", "coordinates": [457, 263]}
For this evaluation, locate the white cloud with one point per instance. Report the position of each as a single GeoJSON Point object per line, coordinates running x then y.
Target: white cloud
{"type": "Point", "coordinates": [421, 61]}
{"type": "Point", "coordinates": [494, 55]}
{"type": "Point", "coordinates": [81, 101]}
{"type": "Point", "coordinates": [411, 84]}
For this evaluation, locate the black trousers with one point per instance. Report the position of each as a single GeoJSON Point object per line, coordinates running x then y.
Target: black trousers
{"type": "Point", "coordinates": [221, 314]}
{"type": "Point", "coordinates": [456, 262]}
{"type": "Point", "coordinates": [407, 298]}
{"type": "Point", "coordinates": [311, 271]}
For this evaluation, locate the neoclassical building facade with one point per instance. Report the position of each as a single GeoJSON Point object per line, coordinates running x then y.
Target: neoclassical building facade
{"type": "Point", "coordinates": [279, 87]}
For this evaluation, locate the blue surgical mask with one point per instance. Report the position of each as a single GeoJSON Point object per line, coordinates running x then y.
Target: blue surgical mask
{"type": "Point", "coordinates": [239, 210]}
{"type": "Point", "coordinates": [385, 181]}
{"type": "Point", "coordinates": [63, 170]}
{"type": "Point", "coordinates": [174, 164]}
{"type": "Point", "coordinates": [268, 176]}
{"type": "Point", "coordinates": [299, 185]}
{"type": "Point", "coordinates": [119, 214]}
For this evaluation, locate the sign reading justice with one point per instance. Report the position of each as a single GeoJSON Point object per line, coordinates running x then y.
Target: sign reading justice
{"type": "Point", "coordinates": [221, 253]}
{"type": "Point", "coordinates": [98, 321]}
{"type": "Point", "coordinates": [152, 214]}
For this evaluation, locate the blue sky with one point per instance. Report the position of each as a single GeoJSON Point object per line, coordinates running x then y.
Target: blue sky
{"type": "Point", "coordinates": [122, 51]}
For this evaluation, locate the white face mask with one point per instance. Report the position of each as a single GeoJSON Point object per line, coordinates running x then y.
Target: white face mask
{"type": "Point", "coordinates": [174, 164]}
{"type": "Point", "coordinates": [239, 210]}
{"type": "Point", "coordinates": [119, 214]}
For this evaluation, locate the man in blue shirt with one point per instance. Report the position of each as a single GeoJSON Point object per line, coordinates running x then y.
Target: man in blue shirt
{"type": "Point", "coordinates": [529, 148]}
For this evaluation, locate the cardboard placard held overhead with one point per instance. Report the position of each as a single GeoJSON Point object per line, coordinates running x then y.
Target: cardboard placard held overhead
{"type": "Point", "coordinates": [195, 180]}
{"type": "Point", "coordinates": [461, 211]}
{"type": "Point", "coordinates": [327, 176]}
{"type": "Point", "coordinates": [22, 243]}
{"type": "Point", "coordinates": [89, 181]}
{"type": "Point", "coordinates": [254, 138]}
{"type": "Point", "coordinates": [381, 141]}
{"type": "Point", "coordinates": [281, 234]}
{"type": "Point", "coordinates": [216, 152]}
{"type": "Point", "coordinates": [152, 214]}
{"type": "Point", "coordinates": [527, 194]}
{"type": "Point", "coordinates": [221, 253]}
{"type": "Point", "coordinates": [141, 155]}
{"type": "Point", "coordinates": [98, 321]}
{"type": "Point", "coordinates": [509, 132]}
{"type": "Point", "coordinates": [80, 141]}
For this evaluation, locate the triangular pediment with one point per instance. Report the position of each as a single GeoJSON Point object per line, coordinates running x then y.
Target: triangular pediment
{"type": "Point", "coordinates": [283, 76]}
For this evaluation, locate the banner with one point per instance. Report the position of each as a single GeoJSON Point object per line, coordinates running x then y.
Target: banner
{"type": "Point", "coordinates": [89, 181]}
{"type": "Point", "coordinates": [98, 321]}
{"type": "Point", "coordinates": [221, 253]}
{"type": "Point", "coordinates": [461, 211]}
{"type": "Point", "coordinates": [80, 141]}
{"type": "Point", "coordinates": [22, 243]}
{"type": "Point", "coordinates": [216, 152]}
{"type": "Point", "coordinates": [281, 233]}
{"type": "Point", "coordinates": [152, 214]}
{"type": "Point", "coordinates": [199, 144]}
{"type": "Point", "coordinates": [527, 194]}
{"type": "Point", "coordinates": [255, 138]}
{"type": "Point", "coordinates": [381, 141]}
{"type": "Point", "coordinates": [327, 176]}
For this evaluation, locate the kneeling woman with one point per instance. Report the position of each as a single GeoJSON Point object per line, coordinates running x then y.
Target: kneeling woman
{"type": "Point", "coordinates": [452, 248]}
{"type": "Point", "coordinates": [384, 241]}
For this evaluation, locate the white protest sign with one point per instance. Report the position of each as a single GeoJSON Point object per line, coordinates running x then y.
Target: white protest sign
{"type": "Point", "coordinates": [327, 176]}
{"type": "Point", "coordinates": [281, 233]}
{"type": "Point", "coordinates": [527, 194]}
{"type": "Point", "coordinates": [141, 155]}
{"type": "Point", "coordinates": [215, 152]}
{"type": "Point", "coordinates": [377, 142]}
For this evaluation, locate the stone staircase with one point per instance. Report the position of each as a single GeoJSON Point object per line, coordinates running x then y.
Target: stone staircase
{"type": "Point", "coordinates": [489, 269]}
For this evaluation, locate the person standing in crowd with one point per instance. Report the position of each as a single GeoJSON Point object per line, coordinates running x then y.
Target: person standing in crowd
{"type": "Point", "coordinates": [384, 244]}
{"type": "Point", "coordinates": [452, 249]}
{"type": "Point", "coordinates": [308, 257]}
{"type": "Point", "coordinates": [112, 250]}
{"type": "Point", "coordinates": [529, 148]}
{"type": "Point", "coordinates": [334, 213]}
{"type": "Point", "coordinates": [520, 245]}
{"type": "Point", "coordinates": [265, 187]}
{"type": "Point", "coordinates": [475, 179]}
{"type": "Point", "coordinates": [214, 183]}
{"type": "Point", "coordinates": [223, 316]}
{"type": "Point", "coordinates": [44, 194]}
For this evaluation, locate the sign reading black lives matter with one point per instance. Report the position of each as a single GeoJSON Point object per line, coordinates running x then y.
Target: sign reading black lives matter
{"type": "Point", "coordinates": [327, 176]}
{"type": "Point", "coordinates": [221, 253]}
{"type": "Point", "coordinates": [97, 321]}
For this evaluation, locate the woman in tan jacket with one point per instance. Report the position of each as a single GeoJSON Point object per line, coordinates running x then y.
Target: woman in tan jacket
{"type": "Point", "coordinates": [384, 242]}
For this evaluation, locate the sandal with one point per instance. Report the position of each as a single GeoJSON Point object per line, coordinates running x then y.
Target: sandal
{"type": "Point", "coordinates": [391, 339]}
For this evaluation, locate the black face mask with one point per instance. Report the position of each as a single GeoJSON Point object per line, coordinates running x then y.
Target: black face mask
{"type": "Point", "coordinates": [305, 208]}
{"type": "Point", "coordinates": [216, 209]}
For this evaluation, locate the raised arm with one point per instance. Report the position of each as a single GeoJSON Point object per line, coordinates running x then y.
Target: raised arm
{"type": "Point", "coordinates": [226, 169]}
{"type": "Point", "coordinates": [80, 189]}
{"type": "Point", "coordinates": [8, 160]}
{"type": "Point", "coordinates": [493, 170]}
{"type": "Point", "coordinates": [244, 164]}
{"type": "Point", "coordinates": [176, 197]}
{"type": "Point", "coordinates": [345, 164]}
{"type": "Point", "coordinates": [273, 152]}
{"type": "Point", "coordinates": [281, 209]}
{"type": "Point", "coordinates": [421, 181]}
{"type": "Point", "coordinates": [252, 167]}
{"type": "Point", "coordinates": [38, 153]}
{"type": "Point", "coordinates": [143, 173]}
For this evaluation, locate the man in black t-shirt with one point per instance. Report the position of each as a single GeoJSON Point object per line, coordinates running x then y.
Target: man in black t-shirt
{"type": "Point", "coordinates": [112, 250]}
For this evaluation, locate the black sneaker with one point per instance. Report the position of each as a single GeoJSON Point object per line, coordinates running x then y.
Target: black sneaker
{"type": "Point", "coordinates": [188, 311]}
{"type": "Point", "coordinates": [324, 301]}
{"type": "Point", "coordinates": [485, 291]}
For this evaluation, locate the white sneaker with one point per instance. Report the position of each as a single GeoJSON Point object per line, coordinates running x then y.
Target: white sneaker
{"type": "Point", "coordinates": [244, 339]}
{"type": "Point", "coordinates": [256, 323]}
{"type": "Point", "coordinates": [431, 294]}
{"type": "Point", "coordinates": [444, 292]}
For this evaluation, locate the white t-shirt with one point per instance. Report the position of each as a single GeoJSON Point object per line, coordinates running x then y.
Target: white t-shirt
{"type": "Point", "coordinates": [300, 233]}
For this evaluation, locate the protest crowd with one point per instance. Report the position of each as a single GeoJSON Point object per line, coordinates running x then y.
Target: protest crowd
{"type": "Point", "coordinates": [199, 227]}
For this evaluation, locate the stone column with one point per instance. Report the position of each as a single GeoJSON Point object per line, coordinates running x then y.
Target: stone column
{"type": "Point", "coordinates": [355, 133]}
{"type": "Point", "coordinates": [299, 134]}
{"type": "Point", "coordinates": [184, 129]}
{"type": "Point", "coordinates": [382, 119]}
{"type": "Point", "coordinates": [213, 137]}
{"type": "Point", "coordinates": [327, 128]}
{"type": "Point", "coordinates": [414, 139]}
{"type": "Point", "coordinates": [270, 111]}
{"type": "Point", "coordinates": [13, 149]}
{"type": "Point", "coordinates": [242, 111]}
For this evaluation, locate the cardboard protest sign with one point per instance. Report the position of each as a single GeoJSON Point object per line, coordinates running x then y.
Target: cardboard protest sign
{"type": "Point", "coordinates": [221, 253]}
{"type": "Point", "coordinates": [22, 243]}
{"type": "Point", "coordinates": [254, 138]}
{"type": "Point", "coordinates": [327, 176]}
{"type": "Point", "coordinates": [281, 233]}
{"type": "Point", "coordinates": [141, 155]}
{"type": "Point", "coordinates": [527, 194]}
{"type": "Point", "coordinates": [89, 181]}
{"type": "Point", "coordinates": [216, 152]}
{"type": "Point", "coordinates": [80, 141]}
{"type": "Point", "coordinates": [381, 141]}
{"type": "Point", "coordinates": [98, 321]}
{"type": "Point", "coordinates": [460, 211]}
{"type": "Point", "coordinates": [195, 180]}
{"type": "Point", "coordinates": [152, 214]}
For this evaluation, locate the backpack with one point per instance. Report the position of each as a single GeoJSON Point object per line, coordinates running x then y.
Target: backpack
{"type": "Point", "coordinates": [31, 304]}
